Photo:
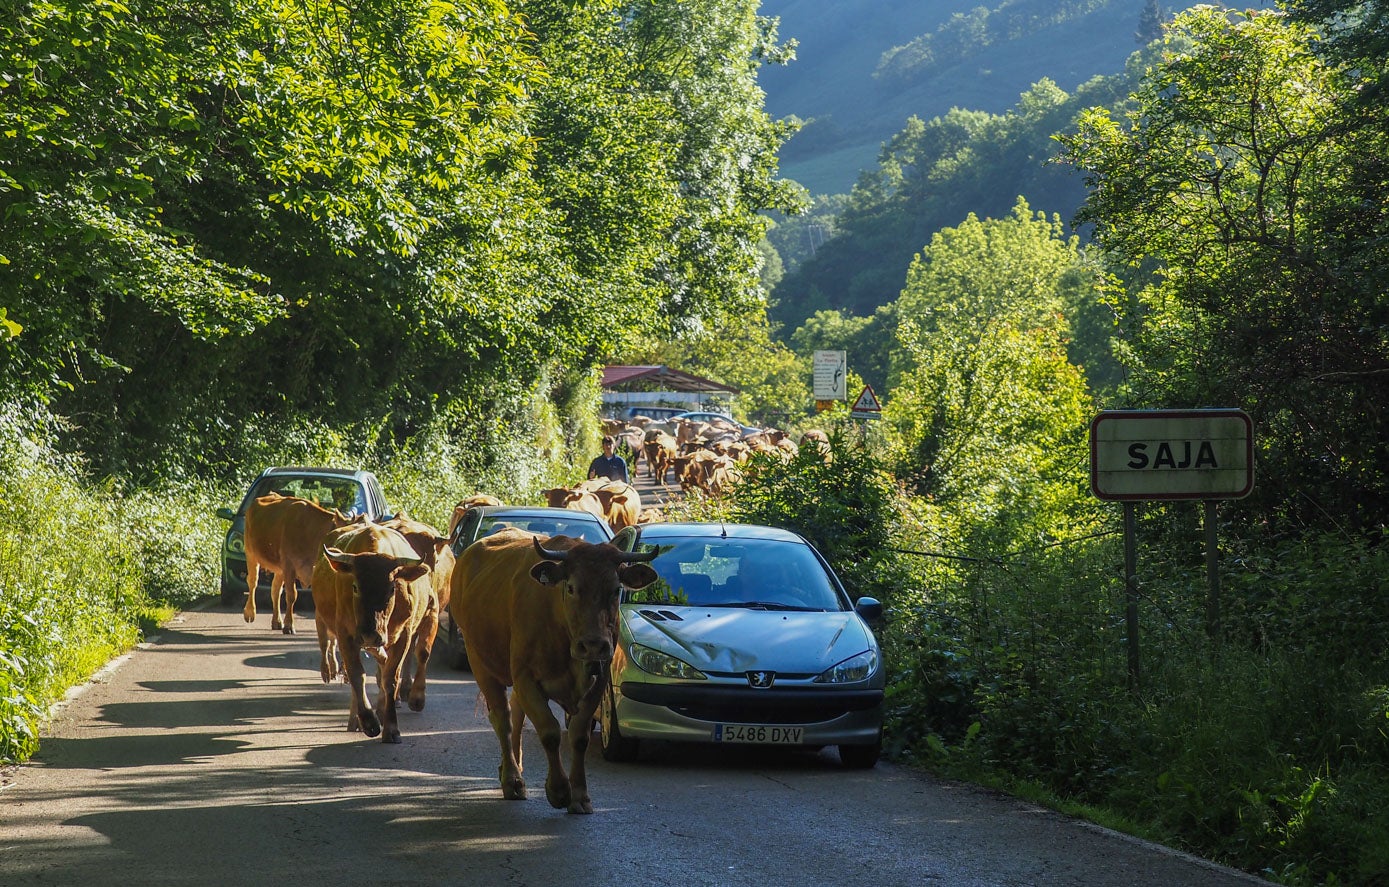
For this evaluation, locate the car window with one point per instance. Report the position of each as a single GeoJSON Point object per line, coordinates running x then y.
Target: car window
{"type": "Point", "coordinates": [344, 494]}
{"type": "Point", "coordinates": [739, 572]}
{"type": "Point", "coordinates": [589, 531]}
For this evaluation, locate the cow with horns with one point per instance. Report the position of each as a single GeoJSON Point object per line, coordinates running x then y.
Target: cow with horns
{"type": "Point", "coordinates": [542, 618]}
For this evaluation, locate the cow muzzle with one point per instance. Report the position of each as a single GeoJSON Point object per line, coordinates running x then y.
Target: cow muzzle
{"type": "Point", "coordinates": [594, 648]}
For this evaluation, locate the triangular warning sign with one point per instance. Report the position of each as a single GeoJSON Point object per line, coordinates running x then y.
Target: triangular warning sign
{"type": "Point", "coordinates": [867, 402]}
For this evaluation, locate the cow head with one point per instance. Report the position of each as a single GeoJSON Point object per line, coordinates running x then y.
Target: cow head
{"type": "Point", "coordinates": [376, 584]}
{"type": "Point", "coordinates": [590, 578]}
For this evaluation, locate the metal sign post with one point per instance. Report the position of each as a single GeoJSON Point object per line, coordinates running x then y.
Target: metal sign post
{"type": "Point", "coordinates": [1167, 455]}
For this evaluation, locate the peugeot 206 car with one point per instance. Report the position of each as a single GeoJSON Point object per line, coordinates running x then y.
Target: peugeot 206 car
{"type": "Point", "coordinates": [747, 637]}
{"type": "Point", "coordinates": [541, 521]}
{"type": "Point", "coordinates": [348, 490]}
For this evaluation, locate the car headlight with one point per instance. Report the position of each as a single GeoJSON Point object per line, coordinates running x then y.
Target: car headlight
{"type": "Point", "coordinates": [236, 543]}
{"type": "Point", "coordinates": [855, 668]}
{"type": "Point", "coordinates": [658, 663]}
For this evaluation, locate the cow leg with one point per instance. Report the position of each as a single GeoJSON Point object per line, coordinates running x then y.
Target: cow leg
{"type": "Point", "coordinates": [388, 677]}
{"type": "Point", "coordinates": [291, 588]}
{"type": "Point", "coordinates": [499, 713]}
{"type": "Point", "coordinates": [580, 732]}
{"type": "Point", "coordinates": [276, 586]}
{"type": "Point", "coordinates": [360, 716]}
{"type": "Point", "coordinates": [537, 708]}
{"type": "Point", "coordinates": [252, 580]}
{"type": "Point", "coordinates": [327, 653]}
{"type": "Point", "coordinates": [413, 689]}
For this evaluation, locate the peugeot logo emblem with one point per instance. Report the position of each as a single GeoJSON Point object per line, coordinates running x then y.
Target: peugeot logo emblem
{"type": "Point", "coordinates": [761, 679]}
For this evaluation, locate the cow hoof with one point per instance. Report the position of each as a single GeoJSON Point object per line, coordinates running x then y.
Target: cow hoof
{"type": "Point", "coordinates": [391, 737]}
{"type": "Point", "coordinates": [584, 806]}
{"type": "Point", "coordinates": [370, 725]}
{"type": "Point", "coordinates": [416, 704]}
{"type": "Point", "coordinates": [558, 796]}
{"type": "Point", "coordinates": [289, 629]}
{"type": "Point", "coordinates": [276, 625]}
{"type": "Point", "coordinates": [249, 617]}
{"type": "Point", "coordinates": [514, 790]}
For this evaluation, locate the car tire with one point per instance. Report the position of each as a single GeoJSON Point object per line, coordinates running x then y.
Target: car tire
{"type": "Point", "coordinates": [455, 651]}
{"type": "Point", "coordinates": [232, 595]}
{"type": "Point", "coordinates": [860, 757]}
{"type": "Point", "coordinates": [616, 747]}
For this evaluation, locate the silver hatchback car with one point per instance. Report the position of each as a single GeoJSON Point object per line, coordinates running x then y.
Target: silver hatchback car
{"type": "Point", "coordinates": [748, 637]}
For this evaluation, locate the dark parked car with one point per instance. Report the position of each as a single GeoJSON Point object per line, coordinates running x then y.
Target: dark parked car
{"type": "Point", "coordinates": [539, 520]}
{"type": "Point", "coordinates": [748, 637]}
{"type": "Point", "coordinates": [349, 491]}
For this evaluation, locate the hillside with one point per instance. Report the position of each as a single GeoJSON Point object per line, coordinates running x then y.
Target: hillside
{"type": "Point", "coordinates": [841, 42]}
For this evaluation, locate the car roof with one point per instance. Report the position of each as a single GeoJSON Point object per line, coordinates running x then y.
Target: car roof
{"type": "Point", "coordinates": [652, 532]}
{"type": "Point", "coordinates": [355, 473]}
{"type": "Point", "coordinates": [536, 511]}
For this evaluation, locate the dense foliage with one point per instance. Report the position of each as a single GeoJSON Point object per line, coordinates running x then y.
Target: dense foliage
{"type": "Point", "coordinates": [344, 212]}
{"type": "Point", "coordinates": [968, 34]}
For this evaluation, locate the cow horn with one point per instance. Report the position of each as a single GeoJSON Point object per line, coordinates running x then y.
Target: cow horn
{"type": "Point", "coordinates": [633, 557]}
{"type": "Point", "coordinates": [548, 554]}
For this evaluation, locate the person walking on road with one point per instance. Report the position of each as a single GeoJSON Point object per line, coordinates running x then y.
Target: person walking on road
{"type": "Point", "coordinates": [609, 465]}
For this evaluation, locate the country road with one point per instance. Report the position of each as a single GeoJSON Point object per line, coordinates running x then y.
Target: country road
{"type": "Point", "coordinates": [214, 755]}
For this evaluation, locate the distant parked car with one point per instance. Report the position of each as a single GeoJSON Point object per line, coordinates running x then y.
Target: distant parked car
{"type": "Point", "coordinates": [542, 521]}
{"type": "Point", "coordinates": [748, 637]}
{"type": "Point", "coordinates": [348, 490]}
{"type": "Point", "coordinates": [712, 417]}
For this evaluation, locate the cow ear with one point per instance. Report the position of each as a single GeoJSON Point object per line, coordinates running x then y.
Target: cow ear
{"type": "Point", "coordinates": [636, 575]}
{"type": "Point", "coordinates": [549, 573]}
{"type": "Point", "coordinates": [412, 572]}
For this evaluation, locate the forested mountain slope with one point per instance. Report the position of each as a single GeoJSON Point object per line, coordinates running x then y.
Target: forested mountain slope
{"type": "Point", "coordinates": [842, 43]}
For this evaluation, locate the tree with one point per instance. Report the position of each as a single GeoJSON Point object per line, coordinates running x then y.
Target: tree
{"type": "Point", "coordinates": [1235, 173]}
{"type": "Point", "coordinates": [987, 413]}
{"type": "Point", "coordinates": [1150, 19]}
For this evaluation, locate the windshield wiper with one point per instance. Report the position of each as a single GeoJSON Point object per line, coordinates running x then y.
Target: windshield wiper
{"type": "Point", "coordinates": [773, 605]}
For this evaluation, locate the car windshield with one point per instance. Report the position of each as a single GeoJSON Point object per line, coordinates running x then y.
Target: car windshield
{"type": "Point", "coordinates": [587, 530]}
{"type": "Point", "coordinates": [342, 493]}
{"type": "Point", "coordinates": [763, 574]}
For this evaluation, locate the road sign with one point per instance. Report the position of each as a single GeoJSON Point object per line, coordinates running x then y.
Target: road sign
{"type": "Point", "coordinates": [1171, 454]}
{"type": "Point", "coordinates": [866, 406]}
{"type": "Point", "coordinates": [830, 372]}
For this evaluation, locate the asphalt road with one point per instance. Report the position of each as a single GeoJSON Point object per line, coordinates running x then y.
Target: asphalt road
{"type": "Point", "coordinates": [214, 755]}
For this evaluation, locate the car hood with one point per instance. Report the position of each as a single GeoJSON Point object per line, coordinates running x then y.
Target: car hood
{"type": "Point", "coordinates": [734, 639]}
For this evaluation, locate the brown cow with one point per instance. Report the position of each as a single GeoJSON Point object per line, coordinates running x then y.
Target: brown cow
{"type": "Point", "coordinates": [621, 502]}
{"type": "Point", "coordinates": [371, 592]}
{"type": "Point", "coordinates": [283, 535]}
{"type": "Point", "coordinates": [474, 501]}
{"type": "Point", "coordinates": [543, 619]}
{"type": "Point", "coordinates": [577, 498]}
{"type": "Point", "coordinates": [661, 450]}
{"type": "Point", "coordinates": [435, 551]}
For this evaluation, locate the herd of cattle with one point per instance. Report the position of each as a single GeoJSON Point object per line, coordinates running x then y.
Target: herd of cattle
{"type": "Point", "coordinates": [704, 456]}
{"type": "Point", "coordinates": [537, 616]}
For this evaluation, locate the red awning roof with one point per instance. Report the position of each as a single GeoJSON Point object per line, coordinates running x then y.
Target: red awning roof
{"type": "Point", "coordinates": [659, 376]}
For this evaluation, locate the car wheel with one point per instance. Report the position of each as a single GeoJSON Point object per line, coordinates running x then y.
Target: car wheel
{"type": "Point", "coordinates": [232, 594]}
{"type": "Point", "coordinates": [861, 757]}
{"type": "Point", "coordinates": [455, 652]}
{"type": "Point", "coordinates": [616, 747]}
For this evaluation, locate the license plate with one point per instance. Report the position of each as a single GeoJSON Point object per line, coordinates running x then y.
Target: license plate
{"type": "Point", "coordinates": [757, 733]}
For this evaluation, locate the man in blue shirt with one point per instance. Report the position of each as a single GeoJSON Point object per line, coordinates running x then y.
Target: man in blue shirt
{"type": "Point", "coordinates": [609, 465]}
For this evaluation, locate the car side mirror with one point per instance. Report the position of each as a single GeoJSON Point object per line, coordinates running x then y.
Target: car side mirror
{"type": "Point", "coordinates": [870, 608]}
{"type": "Point", "coordinates": [225, 513]}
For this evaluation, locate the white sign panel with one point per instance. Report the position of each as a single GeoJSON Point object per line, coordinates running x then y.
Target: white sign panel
{"type": "Point", "coordinates": [829, 380]}
{"type": "Point", "coordinates": [1171, 454]}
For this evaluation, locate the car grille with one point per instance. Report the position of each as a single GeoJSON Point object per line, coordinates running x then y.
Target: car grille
{"type": "Point", "coordinates": [749, 706]}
